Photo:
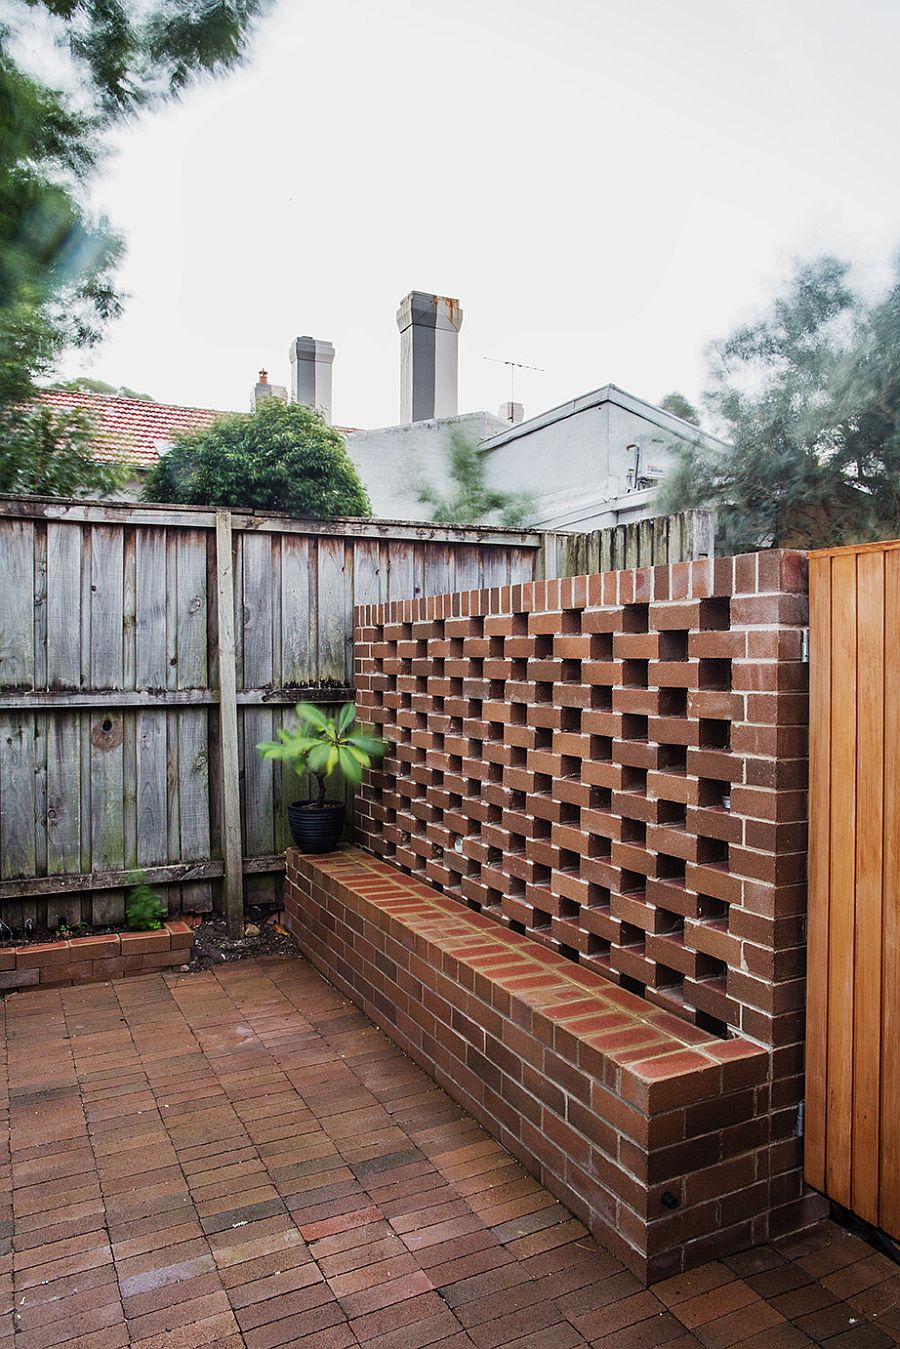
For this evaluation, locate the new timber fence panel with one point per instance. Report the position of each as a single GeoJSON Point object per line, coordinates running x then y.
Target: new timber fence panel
{"type": "Point", "coordinates": [115, 753]}
{"type": "Point", "coordinates": [852, 1138]}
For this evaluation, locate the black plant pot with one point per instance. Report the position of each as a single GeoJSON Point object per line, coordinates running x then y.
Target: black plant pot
{"type": "Point", "coordinates": [316, 828]}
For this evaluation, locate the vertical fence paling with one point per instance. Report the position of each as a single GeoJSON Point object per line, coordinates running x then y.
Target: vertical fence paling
{"type": "Point", "coordinates": [852, 1139]}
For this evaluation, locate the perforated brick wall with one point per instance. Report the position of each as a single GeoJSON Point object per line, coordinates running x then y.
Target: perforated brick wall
{"type": "Point", "coordinates": [615, 765]}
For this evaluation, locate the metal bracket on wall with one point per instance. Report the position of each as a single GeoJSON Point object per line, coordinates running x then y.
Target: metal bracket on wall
{"type": "Point", "coordinates": [804, 645]}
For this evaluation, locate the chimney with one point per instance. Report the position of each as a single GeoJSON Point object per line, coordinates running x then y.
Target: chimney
{"type": "Point", "coordinates": [311, 363]}
{"type": "Point", "coordinates": [266, 390]}
{"type": "Point", "coordinates": [429, 357]}
{"type": "Point", "coordinates": [511, 412]}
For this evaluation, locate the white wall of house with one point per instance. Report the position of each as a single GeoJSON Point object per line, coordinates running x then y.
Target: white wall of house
{"type": "Point", "coordinates": [591, 462]}
{"type": "Point", "coordinates": [393, 460]}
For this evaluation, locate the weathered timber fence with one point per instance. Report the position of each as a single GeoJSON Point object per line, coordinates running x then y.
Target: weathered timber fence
{"type": "Point", "coordinates": [130, 708]}
{"type": "Point", "coordinates": [642, 543]}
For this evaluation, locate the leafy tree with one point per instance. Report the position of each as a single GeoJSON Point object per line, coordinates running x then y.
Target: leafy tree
{"type": "Point", "coordinates": [57, 290]}
{"type": "Point", "coordinates": [51, 454]}
{"type": "Point", "coordinates": [470, 501]}
{"type": "Point", "coordinates": [679, 406]}
{"type": "Point", "coordinates": [808, 398]}
{"type": "Point", "coordinates": [281, 457]}
{"type": "Point", "coordinates": [84, 385]}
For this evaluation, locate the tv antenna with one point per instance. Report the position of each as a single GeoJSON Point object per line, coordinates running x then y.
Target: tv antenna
{"type": "Point", "coordinates": [513, 367]}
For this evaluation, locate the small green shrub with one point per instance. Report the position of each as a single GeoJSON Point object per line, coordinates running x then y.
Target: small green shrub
{"type": "Point", "coordinates": [144, 910]}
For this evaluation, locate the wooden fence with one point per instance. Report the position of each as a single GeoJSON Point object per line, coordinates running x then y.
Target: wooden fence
{"type": "Point", "coordinates": [852, 1127]}
{"type": "Point", "coordinates": [643, 543]}
{"type": "Point", "coordinates": [130, 706]}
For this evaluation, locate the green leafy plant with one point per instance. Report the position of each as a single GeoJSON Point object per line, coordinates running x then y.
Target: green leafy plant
{"type": "Point", "coordinates": [469, 500]}
{"type": "Point", "coordinates": [280, 457]}
{"type": "Point", "coordinates": [323, 746]}
{"type": "Point", "coordinates": [144, 910]}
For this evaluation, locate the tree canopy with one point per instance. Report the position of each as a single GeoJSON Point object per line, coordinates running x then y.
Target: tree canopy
{"type": "Point", "coordinates": [469, 501]}
{"type": "Point", "coordinates": [808, 399]}
{"type": "Point", "coordinates": [679, 406]}
{"type": "Point", "coordinates": [82, 384]}
{"type": "Point", "coordinates": [281, 457]}
{"type": "Point", "coordinates": [57, 263]}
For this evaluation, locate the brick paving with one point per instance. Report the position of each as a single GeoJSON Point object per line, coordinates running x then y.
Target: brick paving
{"type": "Point", "coordinates": [240, 1158]}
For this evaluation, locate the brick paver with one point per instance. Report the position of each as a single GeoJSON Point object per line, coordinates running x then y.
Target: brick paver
{"type": "Point", "coordinates": [240, 1158]}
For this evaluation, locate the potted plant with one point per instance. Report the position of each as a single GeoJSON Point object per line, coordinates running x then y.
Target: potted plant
{"type": "Point", "coordinates": [322, 746]}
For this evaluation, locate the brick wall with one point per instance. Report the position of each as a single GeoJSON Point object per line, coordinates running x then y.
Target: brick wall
{"type": "Point", "coordinates": [90, 960]}
{"type": "Point", "coordinates": [616, 766]}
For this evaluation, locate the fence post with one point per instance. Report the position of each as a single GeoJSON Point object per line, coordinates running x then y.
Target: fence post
{"type": "Point", "coordinates": [232, 851]}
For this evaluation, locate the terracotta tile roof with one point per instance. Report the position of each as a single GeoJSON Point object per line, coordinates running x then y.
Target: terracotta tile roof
{"type": "Point", "coordinates": [130, 428]}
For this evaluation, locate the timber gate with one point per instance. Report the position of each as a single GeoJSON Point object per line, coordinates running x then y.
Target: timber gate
{"type": "Point", "coordinates": [852, 1126]}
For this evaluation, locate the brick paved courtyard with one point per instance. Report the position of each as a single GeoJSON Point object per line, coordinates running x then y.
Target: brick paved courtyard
{"type": "Point", "coordinates": [239, 1157]}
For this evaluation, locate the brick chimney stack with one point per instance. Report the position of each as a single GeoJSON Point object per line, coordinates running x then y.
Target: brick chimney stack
{"type": "Point", "coordinates": [266, 390]}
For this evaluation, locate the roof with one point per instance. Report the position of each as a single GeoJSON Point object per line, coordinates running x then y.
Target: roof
{"type": "Point", "coordinates": [609, 393]}
{"type": "Point", "coordinates": [130, 428]}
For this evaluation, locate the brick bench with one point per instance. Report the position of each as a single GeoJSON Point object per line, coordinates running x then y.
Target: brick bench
{"type": "Point", "coordinates": [653, 1132]}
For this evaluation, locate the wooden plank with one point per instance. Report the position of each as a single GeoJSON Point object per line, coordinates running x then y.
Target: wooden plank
{"type": "Point", "coordinates": [297, 650]}
{"type": "Point", "coordinates": [17, 814]}
{"type": "Point", "coordinates": [64, 617]}
{"type": "Point", "coordinates": [150, 609]}
{"type": "Point", "coordinates": [889, 1170]}
{"type": "Point", "coordinates": [129, 609]}
{"type": "Point", "coordinates": [819, 870]}
{"type": "Point", "coordinates": [401, 573]}
{"type": "Point", "coordinates": [332, 630]}
{"type": "Point", "coordinates": [190, 639]}
{"type": "Point", "coordinates": [466, 568]}
{"type": "Point", "coordinates": [120, 698]}
{"type": "Point", "coordinates": [193, 794]}
{"type": "Point", "coordinates": [17, 607]}
{"type": "Point", "coordinates": [869, 827]}
{"type": "Point", "coordinates": [257, 775]}
{"type": "Point", "coordinates": [172, 873]}
{"type": "Point", "coordinates": [106, 735]}
{"type": "Point", "coordinates": [151, 769]}
{"type": "Point", "coordinates": [64, 793]}
{"type": "Point", "coordinates": [107, 608]}
{"type": "Point", "coordinates": [228, 728]}
{"type": "Point", "coordinates": [841, 924]}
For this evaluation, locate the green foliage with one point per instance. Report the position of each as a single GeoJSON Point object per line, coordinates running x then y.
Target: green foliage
{"type": "Point", "coordinates": [84, 385]}
{"type": "Point", "coordinates": [808, 398]}
{"type": "Point", "coordinates": [281, 457]}
{"type": "Point", "coordinates": [323, 745]}
{"type": "Point", "coordinates": [470, 501]}
{"type": "Point", "coordinates": [144, 910]}
{"type": "Point", "coordinates": [679, 406]}
{"type": "Point", "coordinates": [56, 261]}
{"type": "Point", "coordinates": [50, 454]}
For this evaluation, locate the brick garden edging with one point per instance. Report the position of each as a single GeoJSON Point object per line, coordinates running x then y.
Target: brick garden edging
{"type": "Point", "coordinates": [88, 960]}
{"type": "Point", "coordinates": [654, 1132]}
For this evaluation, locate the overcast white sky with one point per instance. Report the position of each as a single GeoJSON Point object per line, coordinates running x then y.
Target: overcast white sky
{"type": "Point", "coordinates": [605, 184]}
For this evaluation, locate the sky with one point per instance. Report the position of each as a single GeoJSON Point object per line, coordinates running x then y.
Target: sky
{"type": "Point", "coordinates": [606, 185]}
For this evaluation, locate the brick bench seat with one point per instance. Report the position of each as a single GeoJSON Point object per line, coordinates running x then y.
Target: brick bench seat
{"type": "Point", "coordinates": [653, 1132]}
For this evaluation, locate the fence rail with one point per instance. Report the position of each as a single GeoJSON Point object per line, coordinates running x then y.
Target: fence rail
{"type": "Point", "coordinates": [118, 750]}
